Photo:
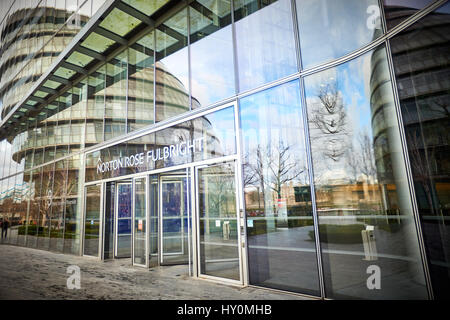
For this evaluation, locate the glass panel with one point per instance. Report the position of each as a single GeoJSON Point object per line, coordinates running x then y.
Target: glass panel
{"type": "Point", "coordinates": [119, 22]}
{"type": "Point", "coordinates": [123, 226]}
{"type": "Point", "coordinates": [145, 6]}
{"type": "Point", "coordinates": [172, 76]}
{"type": "Point", "coordinates": [109, 221]}
{"type": "Point", "coordinates": [265, 43]}
{"type": "Point", "coordinates": [140, 83]}
{"type": "Point", "coordinates": [280, 228]}
{"type": "Point", "coordinates": [116, 96]}
{"type": "Point", "coordinates": [174, 219]}
{"type": "Point", "coordinates": [92, 220]}
{"type": "Point", "coordinates": [58, 204]}
{"type": "Point", "coordinates": [78, 115]}
{"type": "Point", "coordinates": [153, 226]}
{"type": "Point", "coordinates": [75, 58]}
{"type": "Point", "coordinates": [40, 94]}
{"type": "Point", "coordinates": [140, 221]}
{"type": "Point", "coordinates": [7, 208]}
{"type": "Point", "coordinates": [95, 106]}
{"type": "Point", "coordinates": [422, 69]}
{"type": "Point", "coordinates": [210, 136]}
{"type": "Point", "coordinates": [398, 10]}
{"type": "Point", "coordinates": [329, 29]}
{"type": "Point", "coordinates": [211, 31]}
{"type": "Point", "coordinates": [45, 207]}
{"type": "Point", "coordinates": [33, 216]}
{"type": "Point", "coordinates": [218, 228]}
{"type": "Point", "coordinates": [64, 73]}
{"type": "Point", "coordinates": [51, 84]}
{"type": "Point", "coordinates": [22, 208]}
{"type": "Point", "coordinates": [72, 214]}
{"type": "Point", "coordinates": [97, 42]}
{"type": "Point", "coordinates": [366, 224]}
{"type": "Point", "coordinates": [10, 214]}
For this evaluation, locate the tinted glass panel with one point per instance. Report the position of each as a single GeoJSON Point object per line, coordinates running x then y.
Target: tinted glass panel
{"type": "Point", "coordinates": [422, 69]}
{"type": "Point", "coordinates": [277, 192]}
{"type": "Point", "coordinates": [367, 231]}
{"type": "Point", "coordinates": [398, 10]}
{"type": "Point", "coordinates": [329, 29]}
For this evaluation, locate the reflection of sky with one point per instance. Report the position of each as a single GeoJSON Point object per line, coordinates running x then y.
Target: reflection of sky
{"type": "Point", "coordinates": [271, 116]}
{"type": "Point", "coordinates": [222, 127]}
{"type": "Point", "coordinates": [177, 64]}
{"type": "Point", "coordinates": [265, 45]}
{"type": "Point", "coordinates": [330, 29]}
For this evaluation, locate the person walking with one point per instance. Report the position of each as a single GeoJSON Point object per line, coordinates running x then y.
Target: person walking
{"type": "Point", "coordinates": [5, 226]}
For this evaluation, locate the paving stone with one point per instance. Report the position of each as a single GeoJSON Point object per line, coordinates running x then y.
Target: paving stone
{"type": "Point", "coordinates": [27, 273]}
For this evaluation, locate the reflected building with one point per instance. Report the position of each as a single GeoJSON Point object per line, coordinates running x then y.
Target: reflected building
{"type": "Point", "coordinates": [422, 68]}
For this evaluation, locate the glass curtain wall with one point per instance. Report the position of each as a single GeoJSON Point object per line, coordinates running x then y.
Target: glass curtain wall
{"type": "Point", "coordinates": [356, 157]}
{"type": "Point", "coordinates": [362, 195]}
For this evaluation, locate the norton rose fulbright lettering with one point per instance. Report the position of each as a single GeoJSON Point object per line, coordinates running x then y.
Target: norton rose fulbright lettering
{"type": "Point", "coordinates": [136, 160]}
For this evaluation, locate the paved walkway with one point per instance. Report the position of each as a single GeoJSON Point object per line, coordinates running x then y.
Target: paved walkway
{"type": "Point", "coordinates": [35, 274]}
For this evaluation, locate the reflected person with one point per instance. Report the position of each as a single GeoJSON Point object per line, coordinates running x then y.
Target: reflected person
{"type": "Point", "coordinates": [5, 226]}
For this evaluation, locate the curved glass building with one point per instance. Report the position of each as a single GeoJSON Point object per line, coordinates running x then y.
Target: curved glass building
{"type": "Point", "coordinates": [296, 145]}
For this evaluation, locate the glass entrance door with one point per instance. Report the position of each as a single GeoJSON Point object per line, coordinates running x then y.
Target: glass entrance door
{"type": "Point", "coordinates": [218, 224]}
{"type": "Point", "coordinates": [174, 217]}
{"type": "Point", "coordinates": [93, 208]}
{"type": "Point", "coordinates": [140, 254]}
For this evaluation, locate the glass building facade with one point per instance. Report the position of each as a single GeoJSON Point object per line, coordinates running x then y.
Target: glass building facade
{"type": "Point", "coordinates": [296, 145]}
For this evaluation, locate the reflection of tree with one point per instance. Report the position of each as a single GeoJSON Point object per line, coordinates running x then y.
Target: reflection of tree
{"type": "Point", "coordinates": [366, 155]}
{"type": "Point", "coordinates": [283, 169]}
{"type": "Point", "coordinates": [329, 116]}
{"type": "Point", "coordinates": [220, 191]}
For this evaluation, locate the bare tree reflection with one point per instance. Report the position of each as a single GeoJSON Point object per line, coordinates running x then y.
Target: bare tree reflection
{"type": "Point", "coordinates": [271, 168]}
